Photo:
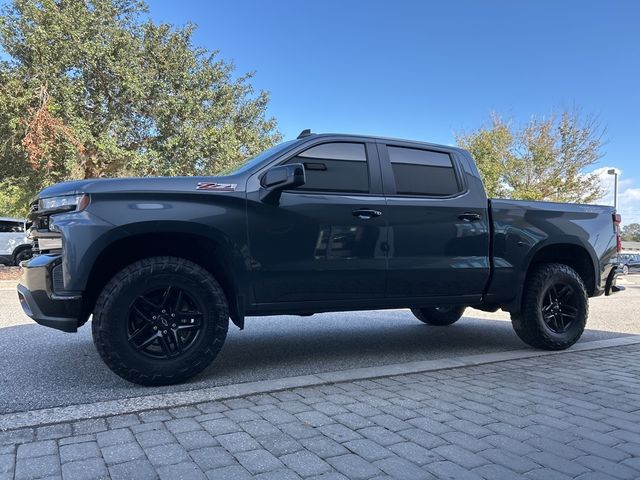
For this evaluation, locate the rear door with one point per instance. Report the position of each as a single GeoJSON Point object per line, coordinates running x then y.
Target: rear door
{"type": "Point", "coordinates": [325, 240]}
{"type": "Point", "coordinates": [438, 228]}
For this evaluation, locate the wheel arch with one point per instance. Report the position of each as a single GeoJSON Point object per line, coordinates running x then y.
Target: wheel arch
{"type": "Point", "coordinates": [206, 250]}
{"type": "Point", "coordinates": [569, 252]}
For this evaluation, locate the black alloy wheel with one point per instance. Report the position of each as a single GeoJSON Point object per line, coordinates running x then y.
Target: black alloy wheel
{"type": "Point", "coordinates": [164, 322]}
{"type": "Point", "coordinates": [559, 307]}
{"type": "Point", "coordinates": [554, 308]}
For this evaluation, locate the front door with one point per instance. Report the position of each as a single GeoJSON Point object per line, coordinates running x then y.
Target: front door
{"type": "Point", "coordinates": [325, 240]}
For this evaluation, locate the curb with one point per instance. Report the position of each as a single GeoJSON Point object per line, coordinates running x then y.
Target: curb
{"type": "Point", "coordinates": [8, 284]}
{"type": "Point", "coordinates": [48, 416]}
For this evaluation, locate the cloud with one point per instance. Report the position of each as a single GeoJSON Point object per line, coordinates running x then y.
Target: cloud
{"type": "Point", "coordinates": [628, 194]}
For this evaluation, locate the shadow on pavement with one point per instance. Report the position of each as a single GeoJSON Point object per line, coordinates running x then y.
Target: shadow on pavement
{"type": "Point", "coordinates": [42, 368]}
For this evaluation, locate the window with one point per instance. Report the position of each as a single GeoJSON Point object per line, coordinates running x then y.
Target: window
{"type": "Point", "coordinates": [422, 172]}
{"type": "Point", "coordinates": [335, 167]}
{"type": "Point", "coordinates": [11, 227]}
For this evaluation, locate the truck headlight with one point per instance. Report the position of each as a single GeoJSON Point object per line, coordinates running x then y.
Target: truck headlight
{"type": "Point", "coordinates": [64, 203]}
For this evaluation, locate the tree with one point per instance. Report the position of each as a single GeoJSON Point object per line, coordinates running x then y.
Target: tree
{"type": "Point", "coordinates": [94, 88]}
{"type": "Point", "coordinates": [631, 232]}
{"type": "Point", "coordinates": [545, 159]}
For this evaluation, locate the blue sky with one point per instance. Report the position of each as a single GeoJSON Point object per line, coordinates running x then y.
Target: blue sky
{"type": "Point", "coordinates": [425, 69]}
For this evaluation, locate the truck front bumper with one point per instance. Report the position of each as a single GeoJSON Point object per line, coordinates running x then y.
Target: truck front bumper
{"type": "Point", "coordinates": [38, 300]}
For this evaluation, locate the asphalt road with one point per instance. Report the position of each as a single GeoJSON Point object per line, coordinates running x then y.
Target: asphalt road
{"type": "Point", "coordinates": [40, 367]}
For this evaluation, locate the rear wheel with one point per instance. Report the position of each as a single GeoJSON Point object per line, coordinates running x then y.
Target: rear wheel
{"type": "Point", "coordinates": [440, 316]}
{"type": "Point", "coordinates": [554, 308]}
{"type": "Point", "coordinates": [625, 269]}
{"type": "Point", "coordinates": [160, 321]}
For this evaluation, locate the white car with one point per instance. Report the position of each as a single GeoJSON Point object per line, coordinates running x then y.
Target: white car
{"type": "Point", "coordinates": [14, 246]}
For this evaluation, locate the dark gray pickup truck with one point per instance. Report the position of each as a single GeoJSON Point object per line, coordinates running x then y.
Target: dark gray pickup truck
{"type": "Point", "coordinates": [321, 223]}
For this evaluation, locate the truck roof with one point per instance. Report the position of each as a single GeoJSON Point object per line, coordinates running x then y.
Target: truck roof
{"type": "Point", "coordinates": [383, 139]}
{"type": "Point", "coordinates": [9, 219]}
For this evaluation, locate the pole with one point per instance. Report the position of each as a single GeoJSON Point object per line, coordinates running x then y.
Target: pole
{"type": "Point", "coordinates": [615, 192]}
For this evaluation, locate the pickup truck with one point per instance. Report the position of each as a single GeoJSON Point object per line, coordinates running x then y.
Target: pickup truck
{"type": "Point", "coordinates": [321, 223]}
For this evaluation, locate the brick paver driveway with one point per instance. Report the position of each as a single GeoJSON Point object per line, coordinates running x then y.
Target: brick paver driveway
{"type": "Point", "coordinates": [571, 415]}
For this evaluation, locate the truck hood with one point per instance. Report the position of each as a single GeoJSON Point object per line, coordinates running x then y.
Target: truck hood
{"type": "Point", "coordinates": [229, 183]}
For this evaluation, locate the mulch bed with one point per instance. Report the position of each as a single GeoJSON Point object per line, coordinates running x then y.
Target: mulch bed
{"type": "Point", "coordinates": [10, 273]}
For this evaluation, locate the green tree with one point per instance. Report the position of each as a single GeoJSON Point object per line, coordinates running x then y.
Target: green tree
{"type": "Point", "coordinates": [545, 159]}
{"type": "Point", "coordinates": [631, 232]}
{"type": "Point", "coordinates": [94, 88]}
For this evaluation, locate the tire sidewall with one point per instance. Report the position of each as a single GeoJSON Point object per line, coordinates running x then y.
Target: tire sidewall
{"type": "Point", "coordinates": [113, 322]}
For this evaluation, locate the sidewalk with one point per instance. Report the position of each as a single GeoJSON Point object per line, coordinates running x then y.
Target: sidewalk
{"type": "Point", "coordinates": [570, 415]}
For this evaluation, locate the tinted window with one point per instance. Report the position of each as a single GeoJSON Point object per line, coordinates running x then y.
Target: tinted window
{"type": "Point", "coordinates": [422, 172]}
{"type": "Point", "coordinates": [335, 167]}
{"type": "Point", "coordinates": [11, 227]}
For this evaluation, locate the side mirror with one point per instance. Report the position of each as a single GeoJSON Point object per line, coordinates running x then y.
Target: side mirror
{"type": "Point", "coordinates": [282, 177]}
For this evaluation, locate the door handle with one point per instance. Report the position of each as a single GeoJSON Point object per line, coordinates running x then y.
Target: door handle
{"type": "Point", "coordinates": [469, 217]}
{"type": "Point", "coordinates": [366, 213]}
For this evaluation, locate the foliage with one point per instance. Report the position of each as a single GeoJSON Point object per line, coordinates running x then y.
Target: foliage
{"type": "Point", "coordinates": [545, 159]}
{"type": "Point", "coordinates": [94, 88]}
{"type": "Point", "coordinates": [631, 232]}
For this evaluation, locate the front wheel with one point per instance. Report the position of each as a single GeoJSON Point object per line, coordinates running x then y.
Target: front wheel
{"type": "Point", "coordinates": [625, 269]}
{"type": "Point", "coordinates": [160, 321]}
{"type": "Point", "coordinates": [554, 308]}
{"type": "Point", "coordinates": [440, 316]}
{"type": "Point", "coordinates": [22, 255]}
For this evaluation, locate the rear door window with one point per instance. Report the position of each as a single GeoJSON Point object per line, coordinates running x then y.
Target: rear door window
{"type": "Point", "coordinates": [423, 172]}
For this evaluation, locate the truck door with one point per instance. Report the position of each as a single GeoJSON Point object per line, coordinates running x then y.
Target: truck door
{"type": "Point", "coordinates": [326, 239]}
{"type": "Point", "coordinates": [438, 227]}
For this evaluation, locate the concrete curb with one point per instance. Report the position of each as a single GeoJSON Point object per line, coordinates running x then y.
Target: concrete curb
{"type": "Point", "coordinates": [71, 413]}
{"type": "Point", "coordinates": [8, 284]}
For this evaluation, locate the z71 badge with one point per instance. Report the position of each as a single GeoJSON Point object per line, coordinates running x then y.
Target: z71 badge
{"type": "Point", "coordinates": [218, 187]}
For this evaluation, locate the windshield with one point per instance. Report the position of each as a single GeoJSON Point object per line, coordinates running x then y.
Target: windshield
{"type": "Point", "coordinates": [262, 156]}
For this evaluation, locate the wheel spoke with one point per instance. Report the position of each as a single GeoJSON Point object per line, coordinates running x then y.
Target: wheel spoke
{"type": "Point", "coordinates": [147, 342]}
{"type": "Point", "coordinates": [146, 304]}
{"type": "Point", "coordinates": [175, 336]}
{"type": "Point", "coordinates": [570, 309]}
{"type": "Point", "coordinates": [164, 344]}
{"type": "Point", "coordinates": [145, 329]}
{"type": "Point", "coordinates": [166, 296]}
{"type": "Point", "coordinates": [178, 303]}
{"type": "Point", "coordinates": [144, 316]}
{"type": "Point", "coordinates": [565, 291]}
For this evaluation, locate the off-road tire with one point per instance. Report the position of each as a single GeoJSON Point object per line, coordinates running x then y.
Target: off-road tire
{"type": "Point", "coordinates": [111, 317]}
{"type": "Point", "coordinates": [439, 316]}
{"type": "Point", "coordinates": [529, 324]}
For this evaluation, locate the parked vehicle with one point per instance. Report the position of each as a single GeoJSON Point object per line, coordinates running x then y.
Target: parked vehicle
{"type": "Point", "coordinates": [629, 263]}
{"type": "Point", "coordinates": [321, 223]}
{"type": "Point", "coordinates": [14, 246]}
